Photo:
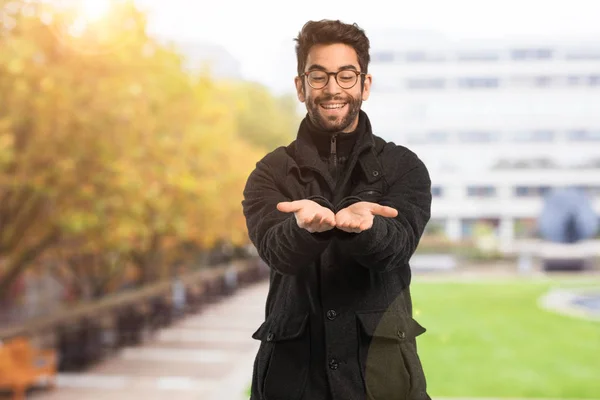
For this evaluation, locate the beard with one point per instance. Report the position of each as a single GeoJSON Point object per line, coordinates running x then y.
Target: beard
{"type": "Point", "coordinates": [333, 123]}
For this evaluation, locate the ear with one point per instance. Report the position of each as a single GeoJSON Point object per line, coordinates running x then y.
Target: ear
{"type": "Point", "coordinates": [367, 87]}
{"type": "Point", "coordinates": [299, 89]}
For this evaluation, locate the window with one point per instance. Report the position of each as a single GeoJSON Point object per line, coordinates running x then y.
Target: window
{"type": "Point", "coordinates": [483, 56]}
{"type": "Point", "coordinates": [534, 136]}
{"type": "Point", "coordinates": [587, 190]}
{"type": "Point", "coordinates": [481, 191]}
{"type": "Point", "coordinates": [575, 80]}
{"type": "Point", "coordinates": [428, 137]}
{"type": "Point", "coordinates": [543, 81]}
{"type": "Point", "coordinates": [426, 83]}
{"type": "Point", "coordinates": [478, 137]}
{"type": "Point", "coordinates": [383, 57]}
{"type": "Point", "coordinates": [583, 135]}
{"type": "Point", "coordinates": [539, 81]}
{"type": "Point", "coordinates": [531, 54]}
{"type": "Point", "coordinates": [531, 191]}
{"type": "Point", "coordinates": [421, 56]}
{"type": "Point", "coordinates": [583, 80]}
{"type": "Point", "coordinates": [583, 54]}
{"type": "Point", "coordinates": [534, 163]}
{"type": "Point", "coordinates": [437, 191]}
{"type": "Point", "coordinates": [477, 83]}
{"type": "Point", "coordinates": [594, 80]}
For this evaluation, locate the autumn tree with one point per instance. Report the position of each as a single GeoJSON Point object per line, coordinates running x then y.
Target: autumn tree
{"type": "Point", "coordinates": [111, 152]}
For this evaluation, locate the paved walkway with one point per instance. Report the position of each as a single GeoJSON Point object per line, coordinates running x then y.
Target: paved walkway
{"type": "Point", "coordinates": [208, 356]}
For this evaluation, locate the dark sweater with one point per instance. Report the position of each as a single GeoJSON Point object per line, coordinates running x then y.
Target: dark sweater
{"type": "Point", "coordinates": [335, 148]}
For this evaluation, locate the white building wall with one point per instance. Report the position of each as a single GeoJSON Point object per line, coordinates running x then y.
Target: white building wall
{"type": "Point", "coordinates": [514, 109]}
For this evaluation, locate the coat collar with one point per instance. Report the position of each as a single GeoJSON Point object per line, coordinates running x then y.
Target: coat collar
{"type": "Point", "coordinates": [307, 157]}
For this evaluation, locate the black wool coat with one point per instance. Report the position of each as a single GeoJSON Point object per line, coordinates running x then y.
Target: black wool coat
{"type": "Point", "coordinates": [338, 319]}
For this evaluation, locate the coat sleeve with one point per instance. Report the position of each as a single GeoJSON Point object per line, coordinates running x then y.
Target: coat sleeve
{"type": "Point", "coordinates": [284, 246]}
{"type": "Point", "coordinates": [391, 242]}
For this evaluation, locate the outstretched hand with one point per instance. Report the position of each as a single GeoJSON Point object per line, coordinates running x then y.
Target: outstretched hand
{"type": "Point", "coordinates": [309, 215]}
{"type": "Point", "coordinates": [359, 216]}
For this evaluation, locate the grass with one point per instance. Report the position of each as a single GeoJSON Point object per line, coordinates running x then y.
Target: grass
{"type": "Point", "coordinates": [491, 339]}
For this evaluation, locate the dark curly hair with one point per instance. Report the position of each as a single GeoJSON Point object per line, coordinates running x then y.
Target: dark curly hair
{"type": "Point", "coordinates": [330, 32]}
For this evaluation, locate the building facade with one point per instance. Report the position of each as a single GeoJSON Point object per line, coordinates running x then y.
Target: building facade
{"type": "Point", "coordinates": [499, 123]}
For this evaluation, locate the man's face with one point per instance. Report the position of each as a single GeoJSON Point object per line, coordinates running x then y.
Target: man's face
{"type": "Point", "coordinates": [333, 108]}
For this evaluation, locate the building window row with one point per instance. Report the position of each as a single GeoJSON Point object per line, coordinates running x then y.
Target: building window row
{"type": "Point", "coordinates": [519, 191]}
{"type": "Point", "coordinates": [482, 136]}
{"type": "Point", "coordinates": [490, 82]}
{"type": "Point", "coordinates": [481, 191]}
{"type": "Point", "coordinates": [486, 55]}
{"type": "Point", "coordinates": [545, 163]}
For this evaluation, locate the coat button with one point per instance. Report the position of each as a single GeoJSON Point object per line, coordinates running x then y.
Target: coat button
{"type": "Point", "coordinates": [270, 337]}
{"type": "Point", "coordinates": [331, 315]}
{"type": "Point", "coordinates": [401, 334]}
{"type": "Point", "coordinates": [333, 364]}
{"type": "Point", "coordinates": [375, 173]}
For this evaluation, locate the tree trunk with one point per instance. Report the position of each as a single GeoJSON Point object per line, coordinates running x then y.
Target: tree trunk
{"type": "Point", "coordinates": [147, 260]}
{"type": "Point", "coordinates": [24, 260]}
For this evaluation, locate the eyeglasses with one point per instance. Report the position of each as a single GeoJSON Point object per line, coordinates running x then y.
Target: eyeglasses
{"type": "Point", "coordinates": [345, 78]}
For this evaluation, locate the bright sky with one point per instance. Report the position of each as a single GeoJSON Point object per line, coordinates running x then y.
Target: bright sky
{"type": "Point", "coordinates": [256, 31]}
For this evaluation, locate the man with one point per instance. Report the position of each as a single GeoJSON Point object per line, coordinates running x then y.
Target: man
{"type": "Point", "coordinates": [337, 215]}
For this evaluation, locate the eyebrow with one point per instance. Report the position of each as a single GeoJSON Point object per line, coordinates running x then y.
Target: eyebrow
{"type": "Point", "coordinates": [322, 68]}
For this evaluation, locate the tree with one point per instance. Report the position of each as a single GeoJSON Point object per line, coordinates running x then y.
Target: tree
{"type": "Point", "coordinates": [111, 150]}
{"type": "Point", "coordinates": [263, 120]}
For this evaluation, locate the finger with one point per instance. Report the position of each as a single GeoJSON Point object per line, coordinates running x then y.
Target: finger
{"type": "Point", "coordinates": [314, 223]}
{"type": "Point", "coordinates": [318, 226]}
{"type": "Point", "coordinates": [308, 220]}
{"type": "Point", "coordinates": [384, 211]}
{"type": "Point", "coordinates": [326, 223]}
{"type": "Point", "coordinates": [350, 224]}
{"type": "Point", "coordinates": [352, 230]}
{"type": "Point", "coordinates": [288, 206]}
{"type": "Point", "coordinates": [323, 219]}
{"type": "Point", "coordinates": [316, 219]}
{"type": "Point", "coordinates": [329, 221]}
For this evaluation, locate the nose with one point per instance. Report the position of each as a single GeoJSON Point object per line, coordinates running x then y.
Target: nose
{"type": "Point", "coordinates": [332, 87]}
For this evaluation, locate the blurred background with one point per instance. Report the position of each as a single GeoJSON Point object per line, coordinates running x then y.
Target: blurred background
{"type": "Point", "coordinates": [127, 132]}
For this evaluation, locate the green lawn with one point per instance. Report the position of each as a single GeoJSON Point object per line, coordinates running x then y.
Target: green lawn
{"type": "Point", "coordinates": [491, 339]}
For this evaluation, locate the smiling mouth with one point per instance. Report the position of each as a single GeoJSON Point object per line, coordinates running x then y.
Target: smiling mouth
{"type": "Point", "coordinates": [333, 106]}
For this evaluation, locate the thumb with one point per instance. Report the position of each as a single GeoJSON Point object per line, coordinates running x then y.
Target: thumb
{"type": "Point", "coordinates": [385, 211]}
{"type": "Point", "coordinates": [288, 206]}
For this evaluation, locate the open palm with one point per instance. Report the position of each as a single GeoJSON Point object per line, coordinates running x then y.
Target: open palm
{"type": "Point", "coordinates": [359, 216]}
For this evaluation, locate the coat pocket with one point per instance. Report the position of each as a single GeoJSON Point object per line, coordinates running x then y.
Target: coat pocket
{"type": "Point", "coordinates": [283, 373]}
{"type": "Point", "coordinates": [372, 195]}
{"type": "Point", "coordinates": [387, 356]}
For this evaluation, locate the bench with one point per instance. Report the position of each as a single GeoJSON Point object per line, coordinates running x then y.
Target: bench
{"type": "Point", "coordinates": [22, 366]}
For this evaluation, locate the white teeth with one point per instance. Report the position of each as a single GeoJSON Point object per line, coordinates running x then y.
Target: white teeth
{"type": "Point", "coordinates": [333, 106]}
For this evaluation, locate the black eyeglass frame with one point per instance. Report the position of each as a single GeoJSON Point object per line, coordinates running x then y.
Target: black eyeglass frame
{"type": "Point", "coordinates": [335, 74]}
